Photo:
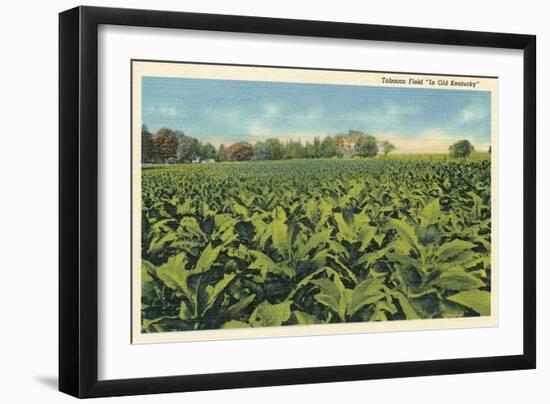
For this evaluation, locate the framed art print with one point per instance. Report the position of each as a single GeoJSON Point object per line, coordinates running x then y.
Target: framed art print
{"type": "Point", "coordinates": [249, 201]}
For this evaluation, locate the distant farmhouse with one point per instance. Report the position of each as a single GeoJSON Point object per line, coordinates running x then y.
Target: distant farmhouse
{"type": "Point", "coordinates": [197, 160]}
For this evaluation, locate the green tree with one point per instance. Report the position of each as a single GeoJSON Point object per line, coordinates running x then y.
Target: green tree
{"type": "Point", "coordinates": [260, 151]}
{"type": "Point", "coordinates": [189, 148]}
{"type": "Point", "coordinates": [220, 154]}
{"type": "Point", "coordinates": [366, 146]}
{"type": "Point", "coordinates": [312, 150]}
{"type": "Point", "coordinates": [240, 151]}
{"type": "Point", "coordinates": [274, 149]}
{"type": "Point", "coordinates": [308, 150]}
{"type": "Point", "coordinates": [271, 149]}
{"type": "Point", "coordinates": [461, 149]}
{"type": "Point", "coordinates": [388, 147]}
{"type": "Point", "coordinates": [208, 151]}
{"type": "Point", "coordinates": [317, 146]}
{"type": "Point", "coordinates": [329, 147]}
{"type": "Point", "coordinates": [295, 150]}
{"type": "Point", "coordinates": [146, 144]}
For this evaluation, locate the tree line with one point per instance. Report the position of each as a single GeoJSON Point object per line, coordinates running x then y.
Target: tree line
{"type": "Point", "coordinates": [174, 146]}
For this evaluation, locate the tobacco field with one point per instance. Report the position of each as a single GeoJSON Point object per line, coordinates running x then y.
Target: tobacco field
{"type": "Point", "coordinates": [296, 242]}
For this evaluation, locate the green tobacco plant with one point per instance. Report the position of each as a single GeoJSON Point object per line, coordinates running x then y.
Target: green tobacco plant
{"type": "Point", "coordinates": [195, 288]}
{"type": "Point", "coordinates": [433, 273]}
{"type": "Point", "coordinates": [301, 242]}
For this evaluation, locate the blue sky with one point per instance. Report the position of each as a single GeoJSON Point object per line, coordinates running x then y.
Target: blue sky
{"type": "Point", "coordinates": [225, 111]}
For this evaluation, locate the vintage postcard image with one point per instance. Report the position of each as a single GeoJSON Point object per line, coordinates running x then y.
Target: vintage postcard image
{"type": "Point", "coordinates": [272, 201]}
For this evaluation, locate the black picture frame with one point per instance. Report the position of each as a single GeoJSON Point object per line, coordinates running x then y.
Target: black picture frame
{"type": "Point", "coordinates": [78, 201]}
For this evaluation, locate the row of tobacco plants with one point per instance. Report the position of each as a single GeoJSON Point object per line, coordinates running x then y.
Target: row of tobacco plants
{"type": "Point", "coordinates": [309, 242]}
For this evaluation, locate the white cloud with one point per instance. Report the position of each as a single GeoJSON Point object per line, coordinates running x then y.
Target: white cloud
{"type": "Point", "coordinates": [166, 111]}
{"type": "Point", "coordinates": [392, 112]}
{"type": "Point", "coordinates": [232, 117]}
{"type": "Point", "coordinates": [472, 114]}
{"type": "Point", "coordinates": [313, 114]}
{"type": "Point", "coordinates": [362, 119]}
{"type": "Point", "coordinates": [256, 130]}
{"type": "Point", "coordinates": [270, 110]}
